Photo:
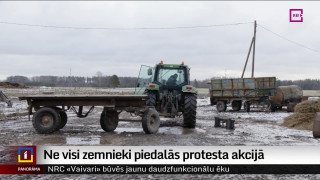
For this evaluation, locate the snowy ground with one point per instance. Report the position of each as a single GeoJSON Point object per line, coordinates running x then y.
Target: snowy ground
{"type": "Point", "coordinates": [254, 128]}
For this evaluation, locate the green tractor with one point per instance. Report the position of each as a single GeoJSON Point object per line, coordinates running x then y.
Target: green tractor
{"type": "Point", "coordinates": [169, 90]}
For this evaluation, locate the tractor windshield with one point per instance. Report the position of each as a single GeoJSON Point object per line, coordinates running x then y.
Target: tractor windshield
{"type": "Point", "coordinates": [171, 77]}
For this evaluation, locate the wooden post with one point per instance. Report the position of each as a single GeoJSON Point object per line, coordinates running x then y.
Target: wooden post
{"type": "Point", "coordinates": [254, 48]}
{"type": "Point", "coordinates": [245, 65]}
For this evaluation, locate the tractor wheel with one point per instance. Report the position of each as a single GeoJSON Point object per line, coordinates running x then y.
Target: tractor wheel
{"type": "Point", "coordinates": [46, 120]}
{"type": "Point", "coordinates": [190, 110]}
{"type": "Point", "coordinates": [221, 106]}
{"type": "Point", "coordinates": [109, 120]}
{"type": "Point", "coordinates": [247, 106]}
{"type": "Point", "coordinates": [64, 119]}
{"type": "Point", "coordinates": [150, 121]}
{"type": "Point", "coordinates": [152, 98]}
{"type": "Point", "coordinates": [236, 105]}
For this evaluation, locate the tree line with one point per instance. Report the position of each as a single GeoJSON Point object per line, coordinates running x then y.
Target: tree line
{"type": "Point", "coordinates": [75, 81]}
{"type": "Point", "coordinates": [307, 84]}
{"type": "Point", "coordinates": [114, 81]}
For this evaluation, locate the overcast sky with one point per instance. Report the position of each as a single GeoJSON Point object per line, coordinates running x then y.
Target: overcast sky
{"type": "Point", "coordinates": [214, 51]}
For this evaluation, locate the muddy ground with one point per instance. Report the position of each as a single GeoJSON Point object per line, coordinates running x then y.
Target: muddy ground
{"type": "Point", "coordinates": [255, 128]}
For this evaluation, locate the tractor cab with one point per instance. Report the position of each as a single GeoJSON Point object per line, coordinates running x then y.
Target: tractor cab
{"type": "Point", "coordinates": [170, 78]}
{"type": "Point", "coordinates": [165, 77]}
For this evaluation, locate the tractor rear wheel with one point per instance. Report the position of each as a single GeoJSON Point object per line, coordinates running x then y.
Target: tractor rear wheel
{"type": "Point", "coordinates": [109, 120]}
{"type": "Point", "coordinates": [150, 121]}
{"type": "Point", "coordinates": [152, 98]}
{"type": "Point", "coordinates": [190, 110]}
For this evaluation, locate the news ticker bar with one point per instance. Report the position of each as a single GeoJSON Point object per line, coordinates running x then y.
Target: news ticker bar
{"type": "Point", "coordinates": [173, 155]}
{"type": "Point", "coordinates": [169, 155]}
{"type": "Point", "coordinates": [160, 169]}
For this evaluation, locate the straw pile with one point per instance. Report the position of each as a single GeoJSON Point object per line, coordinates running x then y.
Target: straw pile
{"type": "Point", "coordinates": [12, 85]}
{"type": "Point", "coordinates": [308, 107]}
{"type": "Point", "coordinates": [304, 115]}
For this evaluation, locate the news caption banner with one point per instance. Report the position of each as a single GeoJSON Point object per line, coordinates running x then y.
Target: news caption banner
{"type": "Point", "coordinates": [161, 160]}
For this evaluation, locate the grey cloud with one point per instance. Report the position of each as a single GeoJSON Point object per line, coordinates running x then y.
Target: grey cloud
{"type": "Point", "coordinates": [209, 51]}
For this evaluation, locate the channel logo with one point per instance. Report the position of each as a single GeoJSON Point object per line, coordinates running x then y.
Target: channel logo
{"type": "Point", "coordinates": [296, 15]}
{"type": "Point", "coordinates": [25, 155]}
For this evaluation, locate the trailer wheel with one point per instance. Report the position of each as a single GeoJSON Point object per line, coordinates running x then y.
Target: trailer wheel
{"type": "Point", "coordinates": [221, 106]}
{"type": "Point", "coordinates": [190, 110]}
{"type": "Point", "coordinates": [236, 105]}
{"type": "Point", "coordinates": [247, 106]}
{"type": "Point", "coordinates": [150, 121]}
{"type": "Point", "coordinates": [271, 106]}
{"type": "Point", "coordinates": [46, 120]}
{"type": "Point", "coordinates": [213, 101]}
{"type": "Point", "coordinates": [64, 119]}
{"type": "Point", "coordinates": [109, 120]}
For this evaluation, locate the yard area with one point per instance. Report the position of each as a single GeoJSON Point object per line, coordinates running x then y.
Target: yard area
{"type": "Point", "coordinates": [257, 128]}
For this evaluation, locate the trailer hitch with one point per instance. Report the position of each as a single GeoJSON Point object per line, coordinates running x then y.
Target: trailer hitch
{"type": "Point", "coordinates": [79, 112]}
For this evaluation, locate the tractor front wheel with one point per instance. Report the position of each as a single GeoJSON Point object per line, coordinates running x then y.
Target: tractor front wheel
{"type": "Point", "coordinates": [190, 110]}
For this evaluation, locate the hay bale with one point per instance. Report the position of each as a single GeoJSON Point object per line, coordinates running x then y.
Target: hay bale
{"type": "Point", "coordinates": [301, 121]}
{"type": "Point", "coordinates": [308, 107]}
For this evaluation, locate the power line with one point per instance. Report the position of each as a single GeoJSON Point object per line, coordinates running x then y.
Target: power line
{"type": "Point", "coordinates": [155, 28]}
{"type": "Point", "coordinates": [121, 29]}
{"type": "Point", "coordinates": [301, 45]}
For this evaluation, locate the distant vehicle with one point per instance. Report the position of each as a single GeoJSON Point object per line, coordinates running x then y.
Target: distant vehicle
{"type": "Point", "coordinates": [246, 91]}
{"type": "Point", "coordinates": [46, 90]}
{"type": "Point", "coordinates": [288, 96]}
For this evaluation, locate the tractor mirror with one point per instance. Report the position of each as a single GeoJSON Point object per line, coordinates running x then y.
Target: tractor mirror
{"type": "Point", "coordinates": [150, 71]}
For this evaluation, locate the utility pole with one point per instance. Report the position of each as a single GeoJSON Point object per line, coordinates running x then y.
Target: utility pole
{"type": "Point", "coordinates": [245, 65]}
{"type": "Point", "coordinates": [254, 47]}
{"type": "Point", "coordinates": [253, 43]}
